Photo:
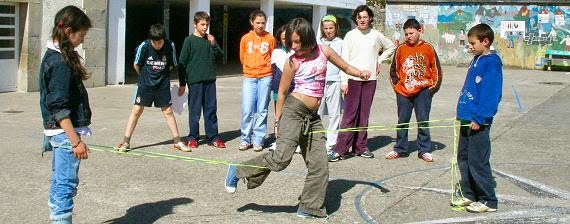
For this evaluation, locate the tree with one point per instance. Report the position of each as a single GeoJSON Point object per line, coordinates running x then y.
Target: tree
{"type": "Point", "coordinates": [376, 3]}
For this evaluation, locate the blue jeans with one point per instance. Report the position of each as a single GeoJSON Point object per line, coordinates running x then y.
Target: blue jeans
{"type": "Point", "coordinates": [64, 179]}
{"type": "Point", "coordinates": [202, 98]}
{"type": "Point", "coordinates": [255, 99]}
{"type": "Point", "coordinates": [421, 104]}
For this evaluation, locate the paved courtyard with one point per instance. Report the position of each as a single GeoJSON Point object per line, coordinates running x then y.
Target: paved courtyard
{"type": "Point", "coordinates": [154, 184]}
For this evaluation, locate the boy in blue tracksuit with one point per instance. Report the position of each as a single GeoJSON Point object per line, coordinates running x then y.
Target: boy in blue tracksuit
{"type": "Point", "coordinates": [478, 103]}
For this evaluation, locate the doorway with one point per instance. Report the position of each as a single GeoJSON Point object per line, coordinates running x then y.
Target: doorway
{"type": "Point", "coordinates": [9, 46]}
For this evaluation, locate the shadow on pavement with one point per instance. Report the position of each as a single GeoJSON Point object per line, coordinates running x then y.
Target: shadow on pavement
{"type": "Point", "coordinates": [268, 208]}
{"type": "Point", "coordinates": [229, 135]}
{"type": "Point", "coordinates": [149, 212]}
{"type": "Point", "coordinates": [154, 144]}
{"type": "Point", "coordinates": [337, 187]}
{"type": "Point", "coordinates": [378, 142]}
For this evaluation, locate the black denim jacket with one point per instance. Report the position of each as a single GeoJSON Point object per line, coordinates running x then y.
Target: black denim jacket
{"type": "Point", "coordinates": [62, 93]}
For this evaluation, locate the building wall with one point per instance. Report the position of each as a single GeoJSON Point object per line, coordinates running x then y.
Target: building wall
{"type": "Point", "coordinates": [522, 32]}
{"type": "Point", "coordinates": [36, 19]}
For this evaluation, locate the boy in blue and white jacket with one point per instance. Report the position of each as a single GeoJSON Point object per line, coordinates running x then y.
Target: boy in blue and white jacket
{"type": "Point", "coordinates": [478, 103]}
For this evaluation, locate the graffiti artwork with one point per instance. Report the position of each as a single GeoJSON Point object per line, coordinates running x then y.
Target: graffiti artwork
{"type": "Point", "coordinates": [522, 32]}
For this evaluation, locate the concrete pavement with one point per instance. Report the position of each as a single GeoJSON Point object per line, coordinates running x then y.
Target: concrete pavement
{"type": "Point", "coordinates": [530, 159]}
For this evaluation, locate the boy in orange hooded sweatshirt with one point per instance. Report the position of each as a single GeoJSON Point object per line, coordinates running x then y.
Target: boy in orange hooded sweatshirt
{"type": "Point", "coordinates": [415, 75]}
{"type": "Point", "coordinates": [255, 56]}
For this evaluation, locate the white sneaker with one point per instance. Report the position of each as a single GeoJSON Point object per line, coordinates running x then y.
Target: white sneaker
{"type": "Point", "coordinates": [273, 146]}
{"type": "Point", "coordinates": [182, 147]}
{"type": "Point", "coordinates": [478, 207]}
{"type": "Point", "coordinates": [298, 150]}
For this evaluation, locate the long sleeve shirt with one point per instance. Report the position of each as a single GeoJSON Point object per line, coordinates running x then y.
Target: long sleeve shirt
{"type": "Point", "coordinates": [415, 68]}
{"type": "Point", "coordinates": [482, 91]}
{"type": "Point", "coordinates": [197, 60]}
{"type": "Point", "coordinates": [255, 54]}
{"type": "Point", "coordinates": [360, 49]}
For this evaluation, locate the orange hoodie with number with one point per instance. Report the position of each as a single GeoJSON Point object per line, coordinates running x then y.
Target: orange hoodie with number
{"type": "Point", "coordinates": [255, 54]}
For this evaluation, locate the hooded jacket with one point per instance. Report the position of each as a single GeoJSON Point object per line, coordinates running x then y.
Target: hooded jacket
{"type": "Point", "coordinates": [255, 54]}
{"type": "Point", "coordinates": [482, 91]}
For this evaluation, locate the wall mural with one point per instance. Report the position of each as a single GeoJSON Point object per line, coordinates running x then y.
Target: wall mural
{"type": "Point", "coordinates": [523, 33]}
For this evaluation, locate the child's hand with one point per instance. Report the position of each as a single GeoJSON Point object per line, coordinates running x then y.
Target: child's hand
{"type": "Point", "coordinates": [344, 89]}
{"type": "Point", "coordinates": [81, 151]}
{"type": "Point", "coordinates": [474, 126]}
{"type": "Point", "coordinates": [212, 39]}
{"type": "Point", "coordinates": [181, 90]}
{"type": "Point", "coordinates": [365, 75]}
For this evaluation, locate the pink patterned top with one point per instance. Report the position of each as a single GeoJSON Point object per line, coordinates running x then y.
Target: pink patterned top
{"type": "Point", "coordinates": [310, 76]}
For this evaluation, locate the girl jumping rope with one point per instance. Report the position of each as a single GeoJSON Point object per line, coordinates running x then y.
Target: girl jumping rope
{"type": "Point", "coordinates": [297, 119]}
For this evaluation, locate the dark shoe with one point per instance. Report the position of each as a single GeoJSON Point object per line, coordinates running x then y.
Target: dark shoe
{"type": "Point", "coordinates": [218, 143]}
{"type": "Point", "coordinates": [231, 179]}
{"type": "Point", "coordinates": [366, 154]}
{"type": "Point", "coordinates": [192, 143]}
{"type": "Point", "coordinates": [305, 215]}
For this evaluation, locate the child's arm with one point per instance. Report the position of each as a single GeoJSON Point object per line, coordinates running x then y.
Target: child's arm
{"type": "Point", "coordinates": [342, 65]}
{"type": "Point", "coordinates": [140, 57]}
{"type": "Point", "coordinates": [215, 47]}
{"type": "Point", "coordinates": [388, 47]}
{"type": "Point", "coordinates": [242, 49]}
{"type": "Point", "coordinates": [58, 102]}
{"type": "Point", "coordinates": [394, 69]}
{"type": "Point", "coordinates": [79, 148]}
{"type": "Point", "coordinates": [184, 57]}
{"type": "Point", "coordinates": [490, 91]}
{"type": "Point", "coordinates": [435, 67]}
{"type": "Point", "coordinates": [286, 78]}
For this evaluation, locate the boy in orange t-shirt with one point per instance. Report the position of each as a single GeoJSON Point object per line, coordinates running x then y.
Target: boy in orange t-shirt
{"type": "Point", "coordinates": [416, 76]}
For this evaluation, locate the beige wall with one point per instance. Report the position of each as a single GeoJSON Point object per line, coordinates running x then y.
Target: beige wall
{"type": "Point", "coordinates": [36, 19]}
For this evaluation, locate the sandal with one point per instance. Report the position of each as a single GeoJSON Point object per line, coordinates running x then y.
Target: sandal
{"type": "Point", "coordinates": [123, 147]}
{"type": "Point", "coordinates": [257, 148]}
{"type": "Point", "coordinates": [244, 147]}
{"type": "Point", "coordinates": [393, 155]}
{"type": "Point", "coordinates": [426, 157]}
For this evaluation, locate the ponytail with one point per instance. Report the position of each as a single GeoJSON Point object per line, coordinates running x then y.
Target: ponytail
{"type": "Point", "coordinates": [75, 19]}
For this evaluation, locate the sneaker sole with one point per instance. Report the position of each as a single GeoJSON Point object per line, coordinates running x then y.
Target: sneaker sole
{"type": "Point", "coordinates": [310, 216]}
{"type": "Point", "coordinates": [180, 149]}
{"type": "Point", "coordinates": [488, 210]}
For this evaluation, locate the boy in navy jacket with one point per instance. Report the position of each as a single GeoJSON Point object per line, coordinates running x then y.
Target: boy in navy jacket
{"type": "Point", "coordinates": [478, 103]}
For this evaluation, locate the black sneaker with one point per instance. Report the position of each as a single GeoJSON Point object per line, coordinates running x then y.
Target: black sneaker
{"type": "Point", "coordinates": [366, 154]}
{"type": "Point", "coordinates": [334, 157]}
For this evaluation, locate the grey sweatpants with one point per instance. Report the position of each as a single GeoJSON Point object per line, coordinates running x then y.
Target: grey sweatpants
{"type": "Point", "coordinates": [295, 127]}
